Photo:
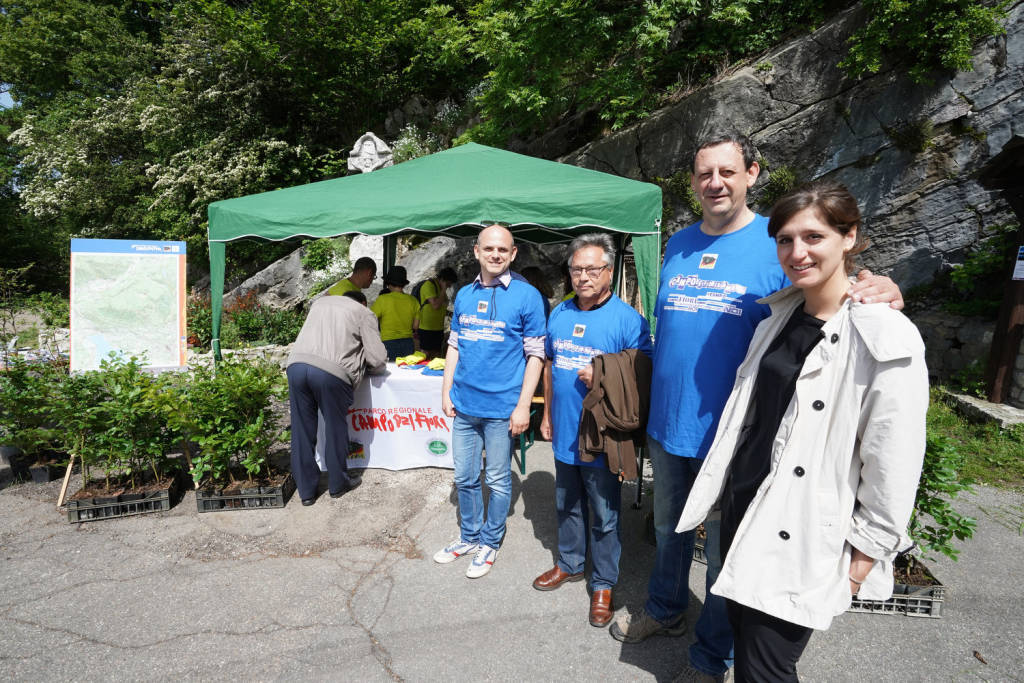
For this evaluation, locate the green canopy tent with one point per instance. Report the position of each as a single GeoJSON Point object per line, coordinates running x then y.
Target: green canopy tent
{"type": "Point", "coordinates": [450, 193]}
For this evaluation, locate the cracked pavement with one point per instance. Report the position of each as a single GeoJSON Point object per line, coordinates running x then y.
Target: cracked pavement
{"type": "Point", "coordinates": [346, 590]}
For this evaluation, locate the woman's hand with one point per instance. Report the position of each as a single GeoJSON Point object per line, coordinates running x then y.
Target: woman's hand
{"type": "Point", "coordinates": [860, 566]}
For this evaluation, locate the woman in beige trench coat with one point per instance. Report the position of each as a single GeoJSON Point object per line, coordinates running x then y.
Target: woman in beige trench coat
{"type": "Point", "coordinates": [817, 457]}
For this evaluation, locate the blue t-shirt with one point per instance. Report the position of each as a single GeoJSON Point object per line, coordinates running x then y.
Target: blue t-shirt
{"type": "Point", "coordinates": [707, 310]}
{"type": "Point", "coordinates": [491, 323]}
{"type": "Point", "coordinates": [574, 337]}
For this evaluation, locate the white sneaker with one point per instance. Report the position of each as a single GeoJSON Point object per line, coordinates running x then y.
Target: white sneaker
{"type": "Point", "coordinates": [454, 551]}
{"type": "Point", "coordinates": [483, 562]}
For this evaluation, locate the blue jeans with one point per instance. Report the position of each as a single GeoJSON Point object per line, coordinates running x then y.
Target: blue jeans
{"type": "Point", "coordinates": [594, 493]}
{"type": "Point", "coordinates": [310, 389]}
{"type": "Point", "coordinates": [668, 591]}
{"type": "Point", "coordinates": [470, 436]}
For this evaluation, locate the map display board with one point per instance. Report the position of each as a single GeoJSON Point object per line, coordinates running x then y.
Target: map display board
{"type": "Point", "coordinates": [127, 298]}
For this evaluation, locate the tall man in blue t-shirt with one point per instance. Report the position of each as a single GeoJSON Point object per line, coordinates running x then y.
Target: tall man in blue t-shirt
{"type": "Point", "coordinates": [495, 356]}
{"type": "Point", "coordinates": [713, 273]}
{"type": "Point", "coordinates": [593, 323]}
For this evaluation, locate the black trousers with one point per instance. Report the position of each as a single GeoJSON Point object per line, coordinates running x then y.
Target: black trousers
{"type": "Point", "coordinates": [310, 389]}
{"type": "Point", "coordinates": [767, 648]}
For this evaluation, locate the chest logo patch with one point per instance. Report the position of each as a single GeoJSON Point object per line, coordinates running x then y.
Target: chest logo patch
{"type": "Point", "coordinates": [481, 306]}
{"type": "Point", "coordinates": [579, 330]}
{"type": "Point", "coordinates": [708, 261]}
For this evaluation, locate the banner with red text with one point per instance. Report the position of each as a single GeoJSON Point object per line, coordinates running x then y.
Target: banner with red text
{"type": "Point", "coordinates": [396, 423]}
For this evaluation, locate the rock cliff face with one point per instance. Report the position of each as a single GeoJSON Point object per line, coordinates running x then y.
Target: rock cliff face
{"type": "Point", "coordinates": [910, 153]}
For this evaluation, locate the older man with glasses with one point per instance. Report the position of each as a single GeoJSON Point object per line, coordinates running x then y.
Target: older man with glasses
{"type": "Point", "coordinates": [494, 360]}
{"type": "Point", "coordinates": [593, 323]}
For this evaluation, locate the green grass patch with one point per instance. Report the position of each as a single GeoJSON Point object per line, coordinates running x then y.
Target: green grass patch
{"type": "Point", "coordinates": [990, 455]}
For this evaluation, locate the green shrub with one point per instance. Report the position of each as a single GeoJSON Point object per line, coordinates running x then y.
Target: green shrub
{"type": "Point", "coordinates": [230, 337]}
{"type": "Point", "coordinates": [935, 524]}
{"type": "Point", "coordinates": [126, 434]}
{"type": "Point", "coordinates": [28, 396]}
{"type": "Point", "coordinates": [244, 322]}
{"type": "Point", "coordinates": [199, 317]}
{"type": "Point", "coordinates": [914, 136]}
{"type": "Point", "coordinates": [261, 326]}
{"type": "Point", "coordinates": [976, 285]}
{"type": "Point", "coordinates": [249, 323]}
{"type": "Point", "coordinates": [328, 254]}
{"type": "Point", "coordinates": [320, 285]}
{"type": "Point", "coordinates": [281, 326]}
{"type": "Point", "coordinates": [125, 422]}
{"type": "Point", "coordinates": [925, 36]}
{"type": "Point", "coordinates": [13, 293]}
{"type": "Point", "coordinates": [80, 423]}
{"type": "Point", "coordinates": [677, 188]}
{"type": "Point", "coordinates": [780, 181]}
{"type": "Point", "coordinates": [54, 310]}
{"type": "Point", "coordinates": [970, 380]}
{"type": "Point", "coordinates": [227, 412]}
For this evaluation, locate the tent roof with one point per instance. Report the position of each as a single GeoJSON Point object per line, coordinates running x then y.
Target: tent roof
{"type": "Point", "coordinates": [452, 192]}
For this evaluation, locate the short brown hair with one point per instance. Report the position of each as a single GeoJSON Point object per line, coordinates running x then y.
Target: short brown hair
{"type": "Point", "coordinates": [742, 142]}
{"type": "Point", "coordinates": [834, 205]}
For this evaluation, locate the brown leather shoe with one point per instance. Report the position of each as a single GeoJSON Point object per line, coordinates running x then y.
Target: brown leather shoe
{"type": "Point", "coordinates": [601, 607]}
{"type": "Point", "coordinates": [553, 578]}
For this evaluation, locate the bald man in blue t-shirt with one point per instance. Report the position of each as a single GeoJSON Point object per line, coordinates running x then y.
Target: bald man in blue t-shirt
{"type": "Point", "coordinates": [495, 356]}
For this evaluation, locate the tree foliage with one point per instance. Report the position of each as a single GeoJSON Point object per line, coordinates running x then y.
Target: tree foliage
{"type": "Point", "coordinates": [927, 36]}
{"type": "Point", "coordinates": [133, 115]}
{"type": "Point", "coordinates": [548, 59]}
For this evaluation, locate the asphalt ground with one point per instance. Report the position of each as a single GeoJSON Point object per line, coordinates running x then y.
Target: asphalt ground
{"type": "Point", "coordinates": [346, 590]}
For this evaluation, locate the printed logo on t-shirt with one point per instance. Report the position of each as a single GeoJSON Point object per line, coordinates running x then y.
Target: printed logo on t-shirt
{"type": "Point", "coordinates": [481, 306]}
{"type": "Point", "coordinates": [708, 260]}
{"type": "Point", "coordinates": [711, 295]}
{"type": "Point", "coordinates": [578, 330]}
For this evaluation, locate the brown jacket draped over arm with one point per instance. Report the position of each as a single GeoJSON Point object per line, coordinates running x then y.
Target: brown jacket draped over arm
{"type": "Point", "coordinates": [614, 418]}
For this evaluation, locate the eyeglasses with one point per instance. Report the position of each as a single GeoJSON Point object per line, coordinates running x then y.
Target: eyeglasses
{"type": "Point", "coordinates": [500, 224]}
{"type": "Point", "coordinates": [592, 272]}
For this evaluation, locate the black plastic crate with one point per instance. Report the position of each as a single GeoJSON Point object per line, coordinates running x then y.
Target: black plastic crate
{"type": "Point", "coordinates": [212, 500]}
{"type": "Point", "coordinates": [698, 553]}
{"type": "Point", "coordinates": [92, 509]}
{"type": "Point", "coordinates": [913, 601]}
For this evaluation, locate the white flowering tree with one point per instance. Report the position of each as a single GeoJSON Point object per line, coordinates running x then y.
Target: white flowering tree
{"type": "Point", "coordinates": [136, 115]}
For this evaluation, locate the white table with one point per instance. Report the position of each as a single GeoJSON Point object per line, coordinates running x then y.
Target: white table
{"type": "Point", "coordinates": [396, 418]}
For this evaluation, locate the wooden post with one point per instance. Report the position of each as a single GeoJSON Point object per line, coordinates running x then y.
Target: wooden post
{"type": "Point", "coordinates": [1009, 328]}
{"type": "Point", "coordinates": [1005, 172]}
{"type": "Point", "coordinates": [67, 478]}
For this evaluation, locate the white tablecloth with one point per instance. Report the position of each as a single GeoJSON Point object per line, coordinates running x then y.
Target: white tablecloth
{"type": "Point", "coordinates": [396, 423]}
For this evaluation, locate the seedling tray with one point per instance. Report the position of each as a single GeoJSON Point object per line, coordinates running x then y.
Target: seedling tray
{"type": "Point", "coordinates": [213, 500]}
{"type": "Point", "coordinates": [124, 505]}
{"type": "Point", "coordinates": [913, 601]}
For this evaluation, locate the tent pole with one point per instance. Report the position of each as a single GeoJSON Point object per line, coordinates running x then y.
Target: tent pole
{"type": "Point", "coordinates": [217, 258]}
{"type": "Point", "coordinates": [620, 260]}
{"type": "Point", "coordinates": [390, 251]}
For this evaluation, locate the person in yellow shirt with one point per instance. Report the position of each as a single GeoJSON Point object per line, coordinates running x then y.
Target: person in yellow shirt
{"type": "Point", "coordinates": [363, 273]}
{"type": "Point", "coordinates": [397, 313]}
{"type": "Point", "coordinates": [433, 300]}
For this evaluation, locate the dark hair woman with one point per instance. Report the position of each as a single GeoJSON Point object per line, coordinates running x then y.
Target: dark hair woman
{"type": "Point", "coordinates": [818, 452]}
